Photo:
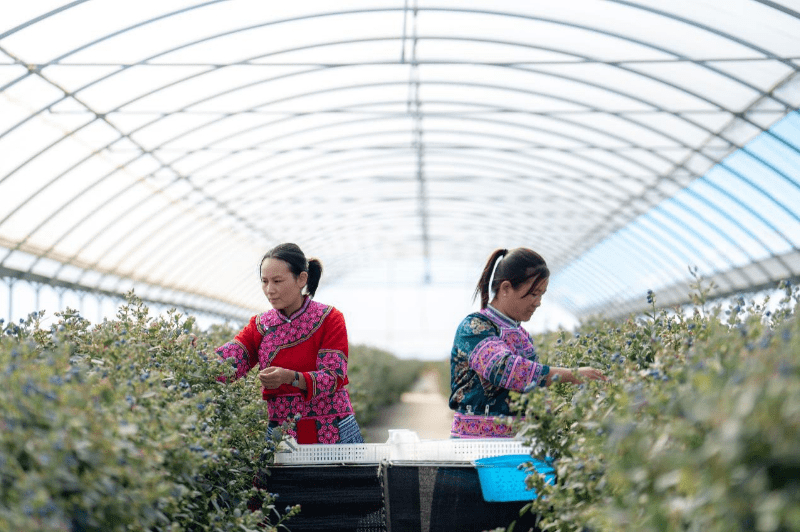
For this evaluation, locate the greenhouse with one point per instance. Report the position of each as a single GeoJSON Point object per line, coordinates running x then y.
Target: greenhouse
{"type": "Point", "coordinates": [165, 147]}
{"type": "Point", "coordinates": [151, 152]}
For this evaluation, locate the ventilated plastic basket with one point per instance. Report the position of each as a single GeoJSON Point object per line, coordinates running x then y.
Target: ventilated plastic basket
{"type": "Point", "coordinates": [343, 453]}
{"type": "Point", "coordinates": [450, 450]}
{"type": "Point", "coordinates": [502, 478]}
{"type": "Point", "coordinates": [455, 450]}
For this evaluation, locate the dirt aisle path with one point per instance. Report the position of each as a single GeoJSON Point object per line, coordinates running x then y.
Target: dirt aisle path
{"type": "Point", "coordinates": [422, 409]}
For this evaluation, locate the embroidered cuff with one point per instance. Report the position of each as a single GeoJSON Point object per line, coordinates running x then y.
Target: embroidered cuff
{"type": "Point", "coordinates": [238, 352]}
{"type": "Point", "coordinates": [545, 373]}
{"type": "Point", "coordinates": [541, 382]}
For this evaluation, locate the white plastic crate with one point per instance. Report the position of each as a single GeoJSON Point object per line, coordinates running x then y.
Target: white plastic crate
{"type": "Point", "coordinates": [456, 450]}
{"type": "Point", "coordinates": [402, 449]}
{"type": "Point", "coordinates": [319, 453]}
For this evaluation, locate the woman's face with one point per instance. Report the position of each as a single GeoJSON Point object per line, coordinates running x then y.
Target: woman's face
{"type": "Point", "coordinates": [522, 302]}
{"type": "Point", "coordinates": [282, 288]}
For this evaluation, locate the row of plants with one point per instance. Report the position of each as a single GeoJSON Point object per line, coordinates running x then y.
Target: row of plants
{"type": "Point", "coordinates": [697, 428]}
{"type": "Point", "coordinates": [122, 425]}
{"type": "Point", "coordinates": [378, 379]}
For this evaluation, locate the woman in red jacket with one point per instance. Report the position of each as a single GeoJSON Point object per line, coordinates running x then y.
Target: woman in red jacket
{"type": "Point", "coordinates": [300, 347]}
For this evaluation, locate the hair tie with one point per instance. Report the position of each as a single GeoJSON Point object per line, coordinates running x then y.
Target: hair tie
{"type": "Point", "coordinates": [504, 252]}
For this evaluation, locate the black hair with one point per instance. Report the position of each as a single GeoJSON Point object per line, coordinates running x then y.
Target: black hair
{"type": "Point", "coordinates": [517, 267]}
{"type": "Point", "coordinates": [292, 255]}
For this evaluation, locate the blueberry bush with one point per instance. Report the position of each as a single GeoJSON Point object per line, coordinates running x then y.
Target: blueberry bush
{"type": "Point", "coordinates": [122, 425]}
{"type": "Point", "coordinates": [697, 428]}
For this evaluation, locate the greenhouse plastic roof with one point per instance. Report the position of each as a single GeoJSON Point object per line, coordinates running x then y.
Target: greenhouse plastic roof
{"type": "Point", "coordinates": [167, 145]}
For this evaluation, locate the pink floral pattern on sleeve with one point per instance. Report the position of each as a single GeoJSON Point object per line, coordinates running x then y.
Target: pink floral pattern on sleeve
{"type": "Point", "coordinates": [499, 366]}
{"type": "Point", "coordinates": [238, 352]}
{"type": "Point", "coordinates": [330, 373]}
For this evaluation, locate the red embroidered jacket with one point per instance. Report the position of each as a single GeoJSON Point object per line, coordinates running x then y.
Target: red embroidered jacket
{"type": "Point", "coordinates": [313, 342]}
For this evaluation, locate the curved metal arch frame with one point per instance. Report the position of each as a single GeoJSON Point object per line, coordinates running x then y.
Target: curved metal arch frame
{"type": "Point", "coordinates": [714, 207]}
{"type": "Point", "coordinates": [189, 302]}
{"type": "Point", "coordinates": [517, 125]}
{"type": "Point", "coordinates": [742, 177]}
{"type": "Point", "coordinates": [498, 137]}
{"type": "Point", "coordinates": [160, 89]}
{"type": "Point", "coordinates": [512, 170]}
{"type": "Point", "coordinates": [315, 15]}
{"type": "Point", "coordinates": [648, 219]}
{"type": "Point", "coordinates": [748, 208]}
{"type": "Point", "coordinates": [170, 237]}
{"type": "Point", "coordinates": [659, 131]}
{"type": "Point", "coordinates": [471, 11]}
{"type": "Point", "coordinates": [445, 151]}
{"type": "Point", "coordinates": [637, 234]}
{"type": "Point", "coordinates": [778, 258]}
{"type": "Point", "coordinates": [511, 125]}
{"type": "Point", "coordinates": [639, 6]}
{"type": "Point", "coordinates": [171, 84]}
{"type": "Point", "coordinates": [460, 214]}
{"type": "Point", "coordinates": [145, 154]}
{"type": "Point", "coordinates": [166, 237]}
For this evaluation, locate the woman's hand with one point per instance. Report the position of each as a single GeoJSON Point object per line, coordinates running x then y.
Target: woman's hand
{"type": "Point", "coordinates": [273, 377]}
{"type": "Point", "coordinates": [575, 376]}
{"type": "Point", "coordinates": [592, 374]}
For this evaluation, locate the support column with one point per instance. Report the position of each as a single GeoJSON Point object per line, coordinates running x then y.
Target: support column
{"type": "Point", "coordinates": [10, 299]}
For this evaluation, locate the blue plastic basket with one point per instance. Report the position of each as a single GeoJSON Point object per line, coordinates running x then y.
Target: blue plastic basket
{"type": "Point", "coordinates": [502, 478]}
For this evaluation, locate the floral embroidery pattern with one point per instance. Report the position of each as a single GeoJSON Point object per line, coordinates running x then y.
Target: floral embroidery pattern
{"type": "Point", "coordinates": [517, 375]}
{"type": "Point", "coordinates": [487, 355]}
{"type": "Point", "coordinates": [478, 326]}
{"type": "Point", "coordinates": [279, 409]}
{"type": "Point", "coordinates": [339, 403]}
{"type": "Point", "coordinates": [237, 351]}
{"type": "Point", "coordinates": [491, 355]}
{"type": "Point", "coordinates": [333, 359]}
{"type": "Point", "coordinates": [281, 332]}
{"type": "Point", "coordinates": [495, 362]}
{"type": "Point", "coordinates": [466, 426]}
{"type": "Point", "coordinates": [332, 368]}
{"type": "Point", "coordinates": [327, 432]}
{"type": "Point", "coordinates": [282, 406]}
{"type": "Point", "coordinates": [519, 343]}
{"type": "Point", "coordinates": [323, 405]}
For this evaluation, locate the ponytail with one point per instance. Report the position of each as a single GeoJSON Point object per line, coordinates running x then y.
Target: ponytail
{"type": "Point", "coordinates": [483, 287]}
{"type": "Point", "coordinates": [516, 266]}
{"type": "Point", "coordinates": [314, 274]}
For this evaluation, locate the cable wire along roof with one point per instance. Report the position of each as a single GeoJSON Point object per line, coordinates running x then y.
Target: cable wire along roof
{"type": "Point", "coordinates": [169, 144]}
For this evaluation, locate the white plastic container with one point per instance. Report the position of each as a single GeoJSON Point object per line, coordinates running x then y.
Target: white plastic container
{"type": "Point", "coordinates": [456, 450]}
{"type": "Point", "coordinates": [402, 443]}
{"type": "Point", "coordinates": [345, 453]}
{"type": "Point", "coordinates": [402, 446]}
